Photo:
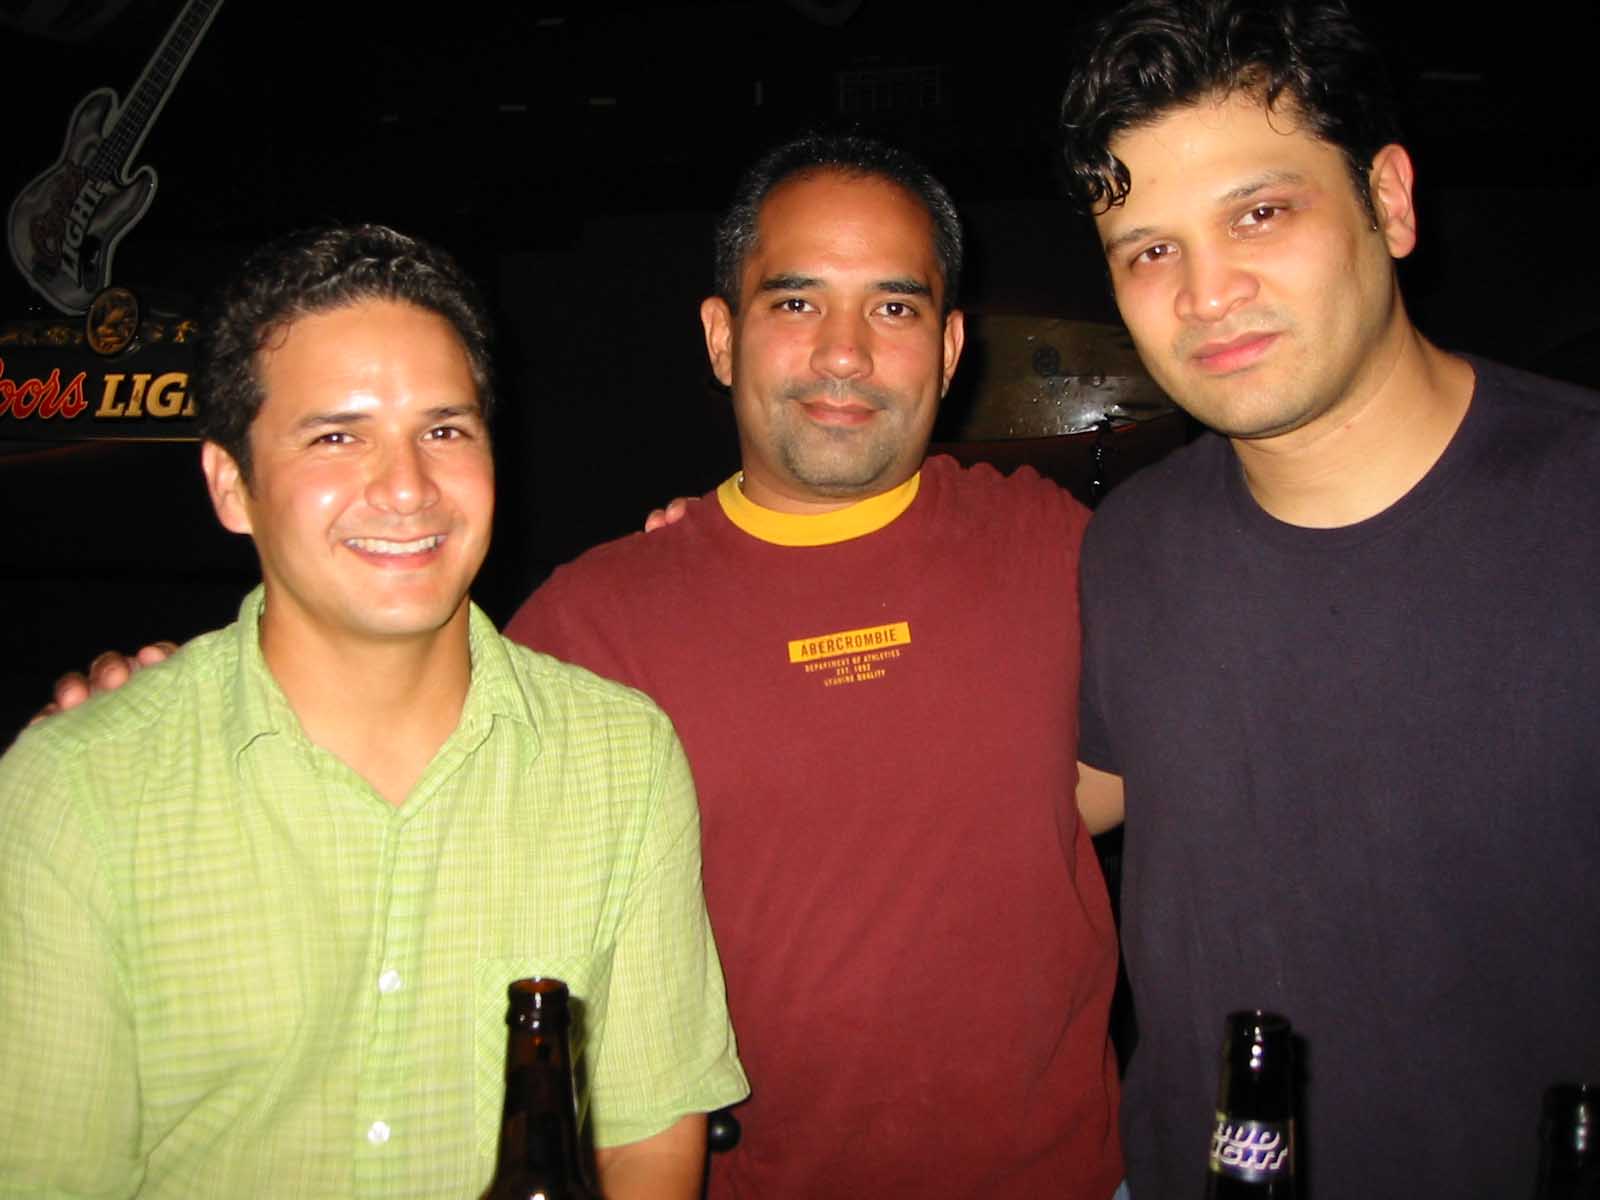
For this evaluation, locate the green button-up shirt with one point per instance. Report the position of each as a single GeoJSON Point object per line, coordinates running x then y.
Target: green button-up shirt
{"type": "Point", "coordinates": [229, 968]}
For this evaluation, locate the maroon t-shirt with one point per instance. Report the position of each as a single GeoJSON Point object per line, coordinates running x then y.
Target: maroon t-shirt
{"type": "Point", "coordinates": [916, 936]}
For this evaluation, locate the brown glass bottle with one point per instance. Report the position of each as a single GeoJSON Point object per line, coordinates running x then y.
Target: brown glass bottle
{"type": "Point", "coordinates": [1569, 1154]}
{"type": "Point", "coordinates": [540, 1155]}
{"type": "Point", "coordinates": [1252, 1141]}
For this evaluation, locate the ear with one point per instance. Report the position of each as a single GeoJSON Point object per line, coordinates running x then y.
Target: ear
{"type": "Point", "coordinates": [229, 495]}
{"type": "Point", "coordinates": [717, 318]}
{"type": "Point", "coordinates": [955, 337]}
{"type": "Point", "coordinates": [1391, 180]}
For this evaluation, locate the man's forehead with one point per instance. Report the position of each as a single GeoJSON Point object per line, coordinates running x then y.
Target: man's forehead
{"type": "Point", "coordinates": [359, 348]}
{"type": "Point", "coordinates": [1217, 151]}
{"type": "Point", "coordinates": [827, 221]}
{"type": "Point", "coordinates": [381, 318]}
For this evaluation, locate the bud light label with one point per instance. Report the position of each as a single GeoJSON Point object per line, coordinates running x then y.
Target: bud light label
{"type": "Point", "coordinates": [1252, 1151]}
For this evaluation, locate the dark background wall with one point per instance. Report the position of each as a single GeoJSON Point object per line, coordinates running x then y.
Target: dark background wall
{"type": "Point", "coordinates": [574, 157]}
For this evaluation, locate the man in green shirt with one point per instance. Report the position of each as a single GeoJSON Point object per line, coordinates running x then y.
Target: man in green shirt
{"type": "Point", "coordinates": [258, 909]}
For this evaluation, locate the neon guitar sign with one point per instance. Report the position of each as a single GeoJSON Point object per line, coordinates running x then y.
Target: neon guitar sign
{"type": "Point", "coordinates": [64, 226]}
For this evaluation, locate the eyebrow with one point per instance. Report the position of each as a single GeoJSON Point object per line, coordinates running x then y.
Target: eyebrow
{"type": "Point", "coordinates": [1233, 195]}
{"type": "Point", "coordinates": [800, 283]}
{"type": "Point", "coordinates": [351, 416]}
{"type": "Point", "coordinates": [453, 412]}
{"type": "Point", "coordinates": [322, 420]}
{"type": "Point", "coordinates": [1265, 180]}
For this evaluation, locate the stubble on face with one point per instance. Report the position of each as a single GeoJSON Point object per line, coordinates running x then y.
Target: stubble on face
{"type": "Point", "coordinates": [837, 460]}
{"type": "Point", "coordinates": [840, 349]}
{"type": "Point", "coordinates": [1246, 267]}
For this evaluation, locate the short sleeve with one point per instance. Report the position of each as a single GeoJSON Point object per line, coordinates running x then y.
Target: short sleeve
{"type": "Point", "coordinates": [668, 1049]}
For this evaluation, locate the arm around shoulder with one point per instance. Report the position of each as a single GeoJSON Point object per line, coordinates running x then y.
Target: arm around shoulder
{"type": "Point", "coordinates": [107, 672]}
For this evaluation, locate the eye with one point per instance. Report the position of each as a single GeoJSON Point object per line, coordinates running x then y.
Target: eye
{"type": "Point", "coordinates": [446, 433]}
{"type": "Point", "coordinates": [1154, 254]}
{"type": "Point", "coordinates": [337, 437]}
{"type": "Point", "coordinates": [1258, 218]}
{"type": "Point", "coordinates": [897, 309]}
{"type": "Point", "coordinates": [793, 304]}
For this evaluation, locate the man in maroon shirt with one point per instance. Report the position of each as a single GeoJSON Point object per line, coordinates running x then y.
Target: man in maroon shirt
{"type": "Point", "coordinates": [873, 663]}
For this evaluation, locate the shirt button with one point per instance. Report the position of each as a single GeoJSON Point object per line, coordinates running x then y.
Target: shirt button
{"type": "Point", "coordinates": [389, 982]}
{"type": "Point", "coordinates": [378, 1134]}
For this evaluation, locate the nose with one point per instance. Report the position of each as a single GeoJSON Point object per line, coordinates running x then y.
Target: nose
{"type": "Point", "coordinates": [842, 349]}
{"type": "Point", "coordinates": [1213, 285]}
{"type": "Point", "coordinates": [401, 481]}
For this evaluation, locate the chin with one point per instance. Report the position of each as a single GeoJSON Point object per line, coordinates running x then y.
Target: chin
{"type": "Point", "coordinates": [1254, 412]}
{"type": "Point", "coordinates": [836, 481]}
{"type": "Point", "coordinates": [414, 622]}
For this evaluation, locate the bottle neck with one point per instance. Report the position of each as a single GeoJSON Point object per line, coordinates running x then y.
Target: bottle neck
{"type": "Point", "coordinates": [539, 1125]}
{"type": "Point", "coordinates": [1569, 1156]}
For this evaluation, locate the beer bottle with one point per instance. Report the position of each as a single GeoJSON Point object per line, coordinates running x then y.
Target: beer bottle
{"type": "Point", "coordinates": [1252, 1142]}
{"type": "Point", "coordinates": [1569, 1159]}
{"type": "Point", "coordinates": [540, 1155]}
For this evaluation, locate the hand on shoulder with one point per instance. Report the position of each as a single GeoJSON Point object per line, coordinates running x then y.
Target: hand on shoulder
{"type": "Point", "coordinates": [660, 518]}
{"type": "Point", "coordinates": [107, 672]}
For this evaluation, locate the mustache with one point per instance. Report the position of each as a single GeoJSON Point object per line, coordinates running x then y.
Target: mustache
{"type": "Point", "coordinates": [838, 391]}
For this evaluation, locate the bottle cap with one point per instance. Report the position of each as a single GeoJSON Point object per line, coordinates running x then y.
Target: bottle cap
{"type": "Point", "coordinates": [1248, 1033]}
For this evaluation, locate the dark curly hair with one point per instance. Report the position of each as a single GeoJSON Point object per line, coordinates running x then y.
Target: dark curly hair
{"type": "Point", "coordinates": [849, 155]}
{"type": "Point", "coordinates": [313, 271]}
{"type": "Point", "coordinates": [1152, 56]}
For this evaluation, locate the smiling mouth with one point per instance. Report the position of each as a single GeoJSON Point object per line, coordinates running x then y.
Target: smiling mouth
{"type": "Point", "coordinates": [383, 546]}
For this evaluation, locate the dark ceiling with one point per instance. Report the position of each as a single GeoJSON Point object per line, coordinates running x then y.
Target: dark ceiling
{"type": "Point", "coordinates": [515, 121]}
{"type": "Point", "coordinates": [510, 127]}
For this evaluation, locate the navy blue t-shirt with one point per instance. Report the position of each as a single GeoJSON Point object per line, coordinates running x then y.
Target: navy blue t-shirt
{"type": "Point", "coordinates": [1362, 769]}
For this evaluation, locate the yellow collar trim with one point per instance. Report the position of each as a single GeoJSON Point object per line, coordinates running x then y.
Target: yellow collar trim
{"type": "Point", "coordinates": [819, 529]}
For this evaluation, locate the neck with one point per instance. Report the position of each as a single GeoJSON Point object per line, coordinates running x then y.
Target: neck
{"type": "Point", "coordinates": [1372, 447]}
{"type": "Point", "coordinates": [382, 706]}
{"type": "Point", "coordinates": [796, 503]}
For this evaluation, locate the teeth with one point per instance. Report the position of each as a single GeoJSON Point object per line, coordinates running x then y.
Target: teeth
{"type": "Point", "coordinates": [382, 546]}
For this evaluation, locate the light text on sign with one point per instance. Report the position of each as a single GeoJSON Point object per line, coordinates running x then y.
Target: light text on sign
{"type": "Point", "coordinates": [123, 396]}
{"type": "Point", "coordinates": [161, 396]}
{"type": "Point", "coordinates": [41, 398]}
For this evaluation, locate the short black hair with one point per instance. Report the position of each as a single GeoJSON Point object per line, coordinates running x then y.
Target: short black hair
{"type": "Point", "coordinates": [845, 154]}
{"type": "Point", "coordinates": [313, 271]}
{"type": "Point", "coordinates": [1152, 56]}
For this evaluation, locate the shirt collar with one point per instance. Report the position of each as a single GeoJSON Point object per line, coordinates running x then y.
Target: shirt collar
{"type": "Point", "coordinates": [259, 708]}
{"type": "Point", "coordinates": [816, 529]}
{"type": "Point", "coordinates": [495, 690]}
